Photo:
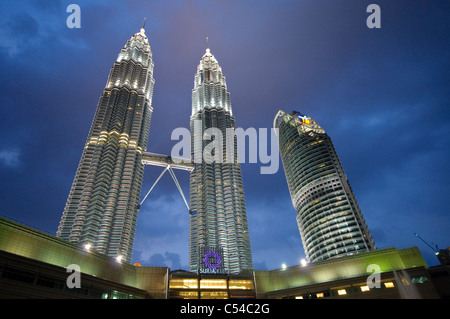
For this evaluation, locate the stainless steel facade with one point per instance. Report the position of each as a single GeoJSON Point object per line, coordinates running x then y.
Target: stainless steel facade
{"type": "Point", "coordinates": [218, 215]}
{"type": "Point", "coordinates": [101, 209]}
{"type": "Point", "coordinates": [329, 218]}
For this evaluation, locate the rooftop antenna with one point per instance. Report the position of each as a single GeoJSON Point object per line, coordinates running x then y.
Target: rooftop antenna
{"type": "Point", "coordinates": [207, 43]}
{"type": "Point", "coordinates": [143, 25]}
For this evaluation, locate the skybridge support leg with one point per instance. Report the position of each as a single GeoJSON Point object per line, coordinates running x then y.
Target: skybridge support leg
{"type": "Point", "coordinates": [157, 180]}
{"type": "Point", "coordinates": [172, 173]}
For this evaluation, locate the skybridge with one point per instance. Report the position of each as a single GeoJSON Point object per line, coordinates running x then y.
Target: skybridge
{"type": "Point", "coordinates": [169, 163]}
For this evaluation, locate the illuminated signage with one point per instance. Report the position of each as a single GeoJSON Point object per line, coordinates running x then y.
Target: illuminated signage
{"type": "Point", "coordinates": [211, 260]}
{"type": "Point", "coordinates": [304, 119]}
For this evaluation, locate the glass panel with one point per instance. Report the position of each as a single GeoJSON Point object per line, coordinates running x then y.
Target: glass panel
{"type": "Point", "coordinates": [240, 284]}
{"type": "Point", "coordinates": [213, 295]}
{"type": "Point", "coordinates": [183, 283]}
{"type": "Point", "coordinates": [213, 284]}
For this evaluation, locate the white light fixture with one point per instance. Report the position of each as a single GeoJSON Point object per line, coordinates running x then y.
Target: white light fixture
{"type": "Point", "coordinates": [87, 246]}
{"type": "Point", "coordinates": [342, 292]}
{"type": "Point", "coordinates": [119, 258]}
{"type": "Point", "coordinates": [283, 266]}
{"type": "Point", "coordinates": [365, 288]}
{"type": "Point", "coordinates": [303, 262]}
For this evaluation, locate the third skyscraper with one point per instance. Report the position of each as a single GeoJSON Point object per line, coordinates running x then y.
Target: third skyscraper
{"type": "Point", "coordinates": [329, 218]}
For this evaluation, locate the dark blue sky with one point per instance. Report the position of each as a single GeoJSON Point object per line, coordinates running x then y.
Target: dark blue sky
{"type": "Point", "coordinates": [383, 95]}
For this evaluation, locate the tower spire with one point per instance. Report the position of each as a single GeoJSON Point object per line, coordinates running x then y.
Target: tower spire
{"type": "Point", "coordinates": [143, 27]}
{"type": "Point", "coordinates": [207, 45]}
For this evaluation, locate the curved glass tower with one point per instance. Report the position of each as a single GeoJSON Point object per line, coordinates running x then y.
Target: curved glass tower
{"type": "Point", "coordinates": [218, 219]}
{"type": "Point", "coordinates": [101, 209]}
{"type": "Point", "coordinates": [328, 216]}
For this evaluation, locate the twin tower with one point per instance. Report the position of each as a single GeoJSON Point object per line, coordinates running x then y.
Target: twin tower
{"type": "Point", "coordinates": [103, 203]}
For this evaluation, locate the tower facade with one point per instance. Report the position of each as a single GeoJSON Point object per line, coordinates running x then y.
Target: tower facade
{"type": "Point", "coordinates": [102, 205]}
{"type": "Point", "coordinates": [328, 216]}
{"type": "Point", "coordinates": [219, 238]}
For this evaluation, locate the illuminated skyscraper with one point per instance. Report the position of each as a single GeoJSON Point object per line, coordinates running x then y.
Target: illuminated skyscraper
{"type": "Point", "coordinates": [329, 219]}
{"type": "Point", "coordinates": [101, 209]}
{"type": "Point", "coordinates": [218, 219]}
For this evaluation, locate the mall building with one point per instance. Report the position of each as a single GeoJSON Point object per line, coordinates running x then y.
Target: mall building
{"type": "Point", "coordinates": [34, 264]}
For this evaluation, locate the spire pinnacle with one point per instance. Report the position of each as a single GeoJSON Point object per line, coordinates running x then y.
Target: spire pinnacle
{"type": "Point", "coordinates": [143, 27]}
{"type": "Point", "coordinates": [207, 45]}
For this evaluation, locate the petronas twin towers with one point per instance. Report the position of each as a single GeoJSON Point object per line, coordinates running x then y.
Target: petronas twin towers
{"type": "Point", "coordinates": [102, 206]}
{"type": "Point", "coordinates": [103, 203]}
{"type": "Point", "coordinates": [219, 219]}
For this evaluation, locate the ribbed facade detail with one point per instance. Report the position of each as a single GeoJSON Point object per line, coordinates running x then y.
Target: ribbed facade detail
{"type": "Point", "coordinates": [102, 206]}
{"type": "Point", "coordinates": [328, 216]}
{"type": "Point", "coordinates": [218, 214]}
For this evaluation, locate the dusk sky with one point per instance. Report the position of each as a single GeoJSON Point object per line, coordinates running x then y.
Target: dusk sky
{"type": "Point", "coordinates": [382, 95]}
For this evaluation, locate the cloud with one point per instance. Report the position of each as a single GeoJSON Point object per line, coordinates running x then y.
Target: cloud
{"type": "Point", "coordinates": [18, 32]}
{"type": "Point", "coordinates": [174, 259]}
{"type": "Point", "coordinates": [157, 260]}
{"type": "Point", "coordinates": [166, 259]}
{"type": "Point", "coordinates": [162, 230]}
{"type": "Point", "coordinates": [10, 158]}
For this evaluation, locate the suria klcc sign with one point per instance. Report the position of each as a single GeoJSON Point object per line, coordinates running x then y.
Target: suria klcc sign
{"type": "Point", "coordinates": [211, 261]}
